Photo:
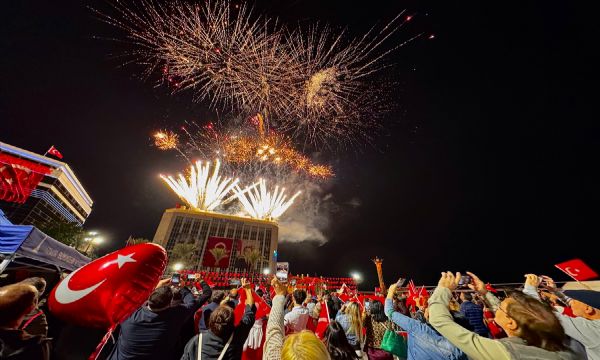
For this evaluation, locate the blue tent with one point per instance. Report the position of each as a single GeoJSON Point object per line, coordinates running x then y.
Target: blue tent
{"type": "Point", "coordinates": [26, 245]}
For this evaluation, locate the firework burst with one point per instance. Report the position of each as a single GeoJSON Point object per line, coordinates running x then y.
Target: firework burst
{"type": "Point", "coordinates": [166, 140]}
{"type": "Point", "coordinates": [202, 189]}
{"type": "Point", "coordinates": [246, 150]}
{"type": "Point", "coordinates": [316, 86]}
{"type": "Point", "coordinates": [260, 203]}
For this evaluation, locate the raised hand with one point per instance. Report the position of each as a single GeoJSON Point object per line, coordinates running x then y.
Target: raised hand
{"type": "Point", "coordinates": [245, 283]}
{"type": "Point", "coordinates": [532, 280]}
{"type": "Point", "coordinates": [449, 281]}
{"type": "Point", "coordinates": [280, 289]}
{"type": "Point", "coordinates": [477, 284]}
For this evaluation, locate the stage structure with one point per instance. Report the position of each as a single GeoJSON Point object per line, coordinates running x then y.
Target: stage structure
{"type": "Point", "coordinates": [223, 243]}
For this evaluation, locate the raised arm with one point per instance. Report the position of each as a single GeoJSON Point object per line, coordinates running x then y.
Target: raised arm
{"type": "Point", "coordinates": [275, 327]}
{"type": "Point", "coordinates": [405, 322]}
{"type": "Point", "coordinates": [475, 346]}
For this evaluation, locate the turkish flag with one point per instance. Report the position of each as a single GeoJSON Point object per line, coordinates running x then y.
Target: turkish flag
{"type": "Point", "coordinates": [262, 308]}
{"type": "Point", "coordinates": [577, 269]}
{"type": "Point", "coordinates": [54, 152]}
{"type": "Point", "coordinates": [323, 322]}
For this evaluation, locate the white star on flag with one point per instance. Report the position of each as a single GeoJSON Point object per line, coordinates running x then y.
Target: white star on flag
{"type": "Point", "coordinates": [122, 259]}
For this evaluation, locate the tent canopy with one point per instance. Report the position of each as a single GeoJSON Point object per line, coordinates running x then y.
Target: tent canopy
{"type": "Point", "coordinates": [20, 242]}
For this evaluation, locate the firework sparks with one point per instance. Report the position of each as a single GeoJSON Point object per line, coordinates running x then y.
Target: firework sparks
{"type": "Point", "coordinates": [314, 86]}
{"type": "Point", "coordinates": [202, 189]}
{"type": "Point", "coordinates": [263, 204]}
{"type": "Point", "coordinates": [246, 146]}
{"type": "Point", "coordinates": [230, 57]}
{"type": "Point", "coordinates": [166, 140]}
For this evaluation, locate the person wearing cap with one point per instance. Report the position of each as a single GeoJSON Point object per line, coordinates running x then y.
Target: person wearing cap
{"type": "Point", "coordinates": [585, 304]}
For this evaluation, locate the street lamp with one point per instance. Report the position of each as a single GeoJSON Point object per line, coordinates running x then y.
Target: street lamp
{"type": "Point", "coordinates": [266, 271]}
{"type": "Point", "coordinates": [356, 276]}
{"type": "Point", "coordinates": [177, 266]}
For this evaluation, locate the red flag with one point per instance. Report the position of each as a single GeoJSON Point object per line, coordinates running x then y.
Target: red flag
{"type": "Point", "coordinates": [218, 251]}
{"type": "Point", "coordinates": [423, 292]}
{"type": "Point", "coordinates": [54, 151]}
{"type": "Point", "coordinates": [323, 320]}
{"type": "Point", "coordinates": [489, 287]}
{"type": "Point", "coordinates": [577, 269]}
{"type": "Point", "coordinates": [412, 293]}
{"type": "Point", "coordinates": [262, 308]}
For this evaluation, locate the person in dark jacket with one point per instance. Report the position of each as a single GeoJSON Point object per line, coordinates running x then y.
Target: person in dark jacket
{"type": "Point", "coordinates": [35, 323]}
{"type": "Point", "coordinates": [473, 313]}
{"type": "Point", "coordinates": [152, 331]}
{"type": "Point", "coordinates": [16, 301]}
{"type": "Point", "coordinates": [223, 337]}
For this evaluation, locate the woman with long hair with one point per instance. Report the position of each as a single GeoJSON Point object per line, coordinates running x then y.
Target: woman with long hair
{"type": "Point", "coordinates": [376, 323]}
{"type": "Point", "coordinates": [350, 320]}
{"type": "Point", "coordinates": [337, 343]}
{"type": "Point", "coordinates": [533, 330]}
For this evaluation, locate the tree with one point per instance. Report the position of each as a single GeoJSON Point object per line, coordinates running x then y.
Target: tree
{"type": "Point", "coordinates": [182, 253]}
{"type": "Point", "coordinates": [68, 233]}
{"type": "Point", "coordinates": [252, 258]}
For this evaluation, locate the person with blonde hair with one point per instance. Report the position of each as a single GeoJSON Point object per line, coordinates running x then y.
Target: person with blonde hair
{"type": "Point", "coordinates": [300, 346]}
{"type": "Point", "coordinates": [351, 321]}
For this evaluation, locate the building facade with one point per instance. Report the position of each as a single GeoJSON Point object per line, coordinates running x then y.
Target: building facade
{"type": "Point", "coordinates": [55, 195]}
{"type": "Point", "coordinates": [251, 244]}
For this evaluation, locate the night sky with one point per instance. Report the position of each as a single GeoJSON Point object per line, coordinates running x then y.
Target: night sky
{"type": "Point", "coordinates": [488, 162]}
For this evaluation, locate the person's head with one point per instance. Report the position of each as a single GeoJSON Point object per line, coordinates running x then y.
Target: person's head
{"type": "Point", "coordinates": [337, 342]}
{"type": "Point", "coordinates": [217, 297]}
{"type": "Point", "coordinates": [585, 303]}
{"type": "Point", "coordinates": [303, 346]}
{"type": "Point", "coordinates": [177, 296]}
{"type": "Point", "coordinates": [160, 298]}
{"type": "Point", "coordinates": [38, 282]}
{"type": "Point", "coordinates": [299, 296]}
{"type": "Point", "coordinates": [465, 296]}
{"type": "Point", "coordinates": [531, 320]}
{"type": "Point", "coordinates": [16, 301]}
{"type": "Point", "coordinates": [220, 322]}
{"type": "Point", "coordinates": [377, 312]}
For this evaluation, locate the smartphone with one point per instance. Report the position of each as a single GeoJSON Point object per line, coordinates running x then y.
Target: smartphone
{"type": "Point", "coordinates": [235, 282]}
{"type": "Point", "coordinates": [282, 276]}
{"type": "Point", "coordinates": [464, 281]}
{"type": "Point", "coordinates": [191, 277]}
{"type": "Point", "coordinates": [400, 282]}
{"type": "Point", "coordinates": [293, 282]}
{"type": "Point", "coordinates": [175, 278]}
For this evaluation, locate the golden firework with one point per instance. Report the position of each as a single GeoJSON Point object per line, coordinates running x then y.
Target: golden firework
{"type": "Point", "coordinates": [166, 140]}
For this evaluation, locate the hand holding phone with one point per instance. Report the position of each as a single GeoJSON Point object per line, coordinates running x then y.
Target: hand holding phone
{"type": "Point", "coordinates": [464, 281]}
{"type": "Point", "coordinates": [175, 278]}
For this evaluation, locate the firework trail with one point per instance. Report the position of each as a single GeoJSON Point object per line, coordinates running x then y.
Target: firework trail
{"type": "Point", "coordinates": [260, 203]}
{"type": "Point", "coordinates": [202, 189]}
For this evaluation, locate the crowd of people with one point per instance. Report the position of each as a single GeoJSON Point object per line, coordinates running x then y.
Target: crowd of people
{"type": "Point", "coordinates": [457, 321]}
